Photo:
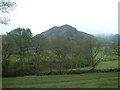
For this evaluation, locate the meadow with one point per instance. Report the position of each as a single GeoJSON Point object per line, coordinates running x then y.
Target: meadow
{"type": "Point", "coordinates": [88, 80]}
{"type": "Point", "coordinates": [103, 65]}
{"type": "Point", "coordinates": [91, 80]}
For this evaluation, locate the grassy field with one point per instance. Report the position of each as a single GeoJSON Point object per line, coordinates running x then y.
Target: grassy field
{"type": "Point", "coordinates": [88, 80]}
{"type": "Point", "coordinates": [103, 65]}
{"type": "Point", "coordinates": [108, 65]}
{"type": "Point", "coordinates": [91, 80]}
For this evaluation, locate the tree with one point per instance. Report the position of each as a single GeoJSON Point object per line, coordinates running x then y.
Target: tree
{"type": "Point", "coordinates": [8, 47]}
{"type": "Point", "coordinates": [5, 7]}
{"type": "Point", "coordinates": [39, 43]}
{"type": "Point", "coordinates": [80, 54]}
{"type": "Point", "coordinates": [116, 48]}
{"type": "Point", "coordinates": [16, 44]}
{"type": "Point", "coordinates": [60, 47]}
{"type": "Point", "coordinates": [95, 51]}
{"type": "Point", "coordinates": [22, 40]}
{"type": "Point", "coordinates": [38, 49]}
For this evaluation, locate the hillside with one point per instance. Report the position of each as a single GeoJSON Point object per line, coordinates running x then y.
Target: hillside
{"type": "Point", "coordinates": [110, 37]}
{"type": "Point", "coordinates": [66, 31]}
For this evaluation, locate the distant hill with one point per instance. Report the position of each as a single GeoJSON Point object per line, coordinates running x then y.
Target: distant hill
{"type": "Point", "coordinates": [66, 31]}
{"type": "Point", "coordinates": [110, 37]}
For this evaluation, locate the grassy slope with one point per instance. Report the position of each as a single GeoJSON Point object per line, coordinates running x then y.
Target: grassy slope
{"type": "Point", "coordinates": [108, 65]}
{"type": "Point", "coordinates": [91, 80]}
{"type": "Point", "coordinates": [104, 65]}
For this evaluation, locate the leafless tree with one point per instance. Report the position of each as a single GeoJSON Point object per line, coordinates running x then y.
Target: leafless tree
{"type": "Point", "coordinates": [95, 52]}
{"type": "Point", "coordinates": [5, 7]}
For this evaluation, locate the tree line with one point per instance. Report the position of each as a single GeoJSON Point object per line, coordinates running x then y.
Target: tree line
{"type": "Point", "coordinates": [23, 54]}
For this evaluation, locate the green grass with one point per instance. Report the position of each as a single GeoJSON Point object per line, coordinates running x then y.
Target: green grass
{"type": "Point", "coordinates": [88, 80]}
{"type": "Point", "coordinates": [14, 58]}
{"type": "Point", "coordinates": [110, 57]}
{"type": "Point", "coordinates": [104, 65]}
{"type": "Point", "coordinates": [108, 65]}
{"type": "Point", "coordinates": [91, 80]}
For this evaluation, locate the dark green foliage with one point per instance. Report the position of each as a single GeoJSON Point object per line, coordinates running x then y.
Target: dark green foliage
{"type": "Point", "coordinates": [16, 42]}
{"type": "Point", "coordinates": [22, 39]}
{"type": "Point", "coordinates": [66, 49]}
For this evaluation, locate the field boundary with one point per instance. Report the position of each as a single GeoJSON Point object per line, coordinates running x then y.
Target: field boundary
{"type": "Point", "coordinates": [72, 72]}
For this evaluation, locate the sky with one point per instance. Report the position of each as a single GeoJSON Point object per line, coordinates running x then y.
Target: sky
{"type": "Point", "coordinates": [90, 16]}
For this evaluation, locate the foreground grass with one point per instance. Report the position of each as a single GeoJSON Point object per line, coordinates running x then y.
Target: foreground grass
{"type": "Point", "coordinates": [89, 80]}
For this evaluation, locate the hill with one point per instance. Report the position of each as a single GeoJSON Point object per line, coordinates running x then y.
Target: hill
{"type": "Point", "coordinates": [66, 31]}
{"type": "Point", "coordinates": [110, 37]}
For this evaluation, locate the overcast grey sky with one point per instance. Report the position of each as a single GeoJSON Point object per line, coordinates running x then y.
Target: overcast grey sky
{"type": "Point", "coordinates": [91, 16]}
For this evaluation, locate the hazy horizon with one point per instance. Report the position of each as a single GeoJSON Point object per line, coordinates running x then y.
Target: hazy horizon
{"type": "Point", "coordinates": [107, 33]}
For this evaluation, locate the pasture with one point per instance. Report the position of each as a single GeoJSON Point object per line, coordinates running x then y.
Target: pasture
{"type": "Point", "coordinates": [89, 80]}
{"type": "Point", "coordinates": [103, 65]}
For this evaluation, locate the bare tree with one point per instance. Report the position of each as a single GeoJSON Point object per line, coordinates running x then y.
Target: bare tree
{"type": "Point", "coordinates": [5, 7]}
{"type": "Point", "coordinates": [95, 52]}
{"type": "Point", "coordinates": [60, 47]}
